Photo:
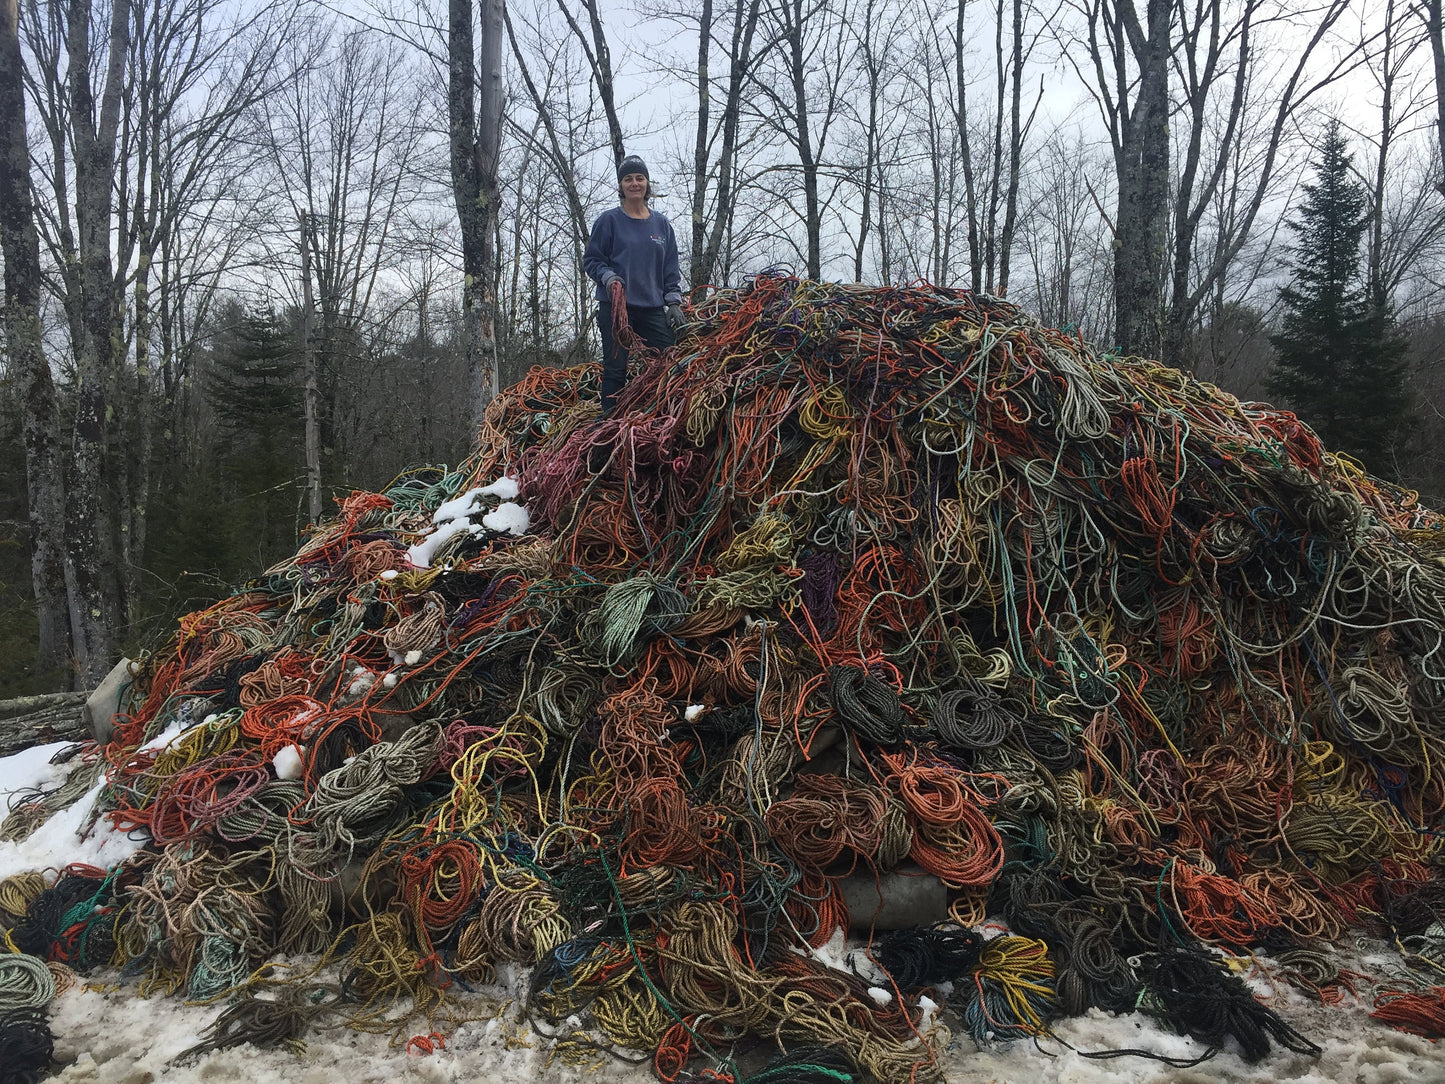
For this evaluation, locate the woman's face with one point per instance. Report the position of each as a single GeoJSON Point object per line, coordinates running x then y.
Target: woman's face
{"type": "Point", "coordinates": [634, 185]}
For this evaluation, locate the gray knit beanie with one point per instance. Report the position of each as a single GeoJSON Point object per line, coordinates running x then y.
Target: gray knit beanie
{"type": "Point", "coordinates": [632, 164]}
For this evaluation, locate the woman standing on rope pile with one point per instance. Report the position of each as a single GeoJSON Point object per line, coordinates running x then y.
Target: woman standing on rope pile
{"type": "Point", "coordinates": [632, 256]}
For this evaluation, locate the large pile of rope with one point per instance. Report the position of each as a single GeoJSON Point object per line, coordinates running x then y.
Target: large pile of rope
{"type": "Point", "coordinates": [852, 580]}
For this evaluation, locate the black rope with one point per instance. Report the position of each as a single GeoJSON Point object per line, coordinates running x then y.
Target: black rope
{"type": "Point", "coordinates": [1197, 996]}
{"type": "Point", "coordinates": [926, 955]}
{"type": "Point", "coordinates": [26, 1045]}
{"type": "Point", "coordinates": [868, 706]}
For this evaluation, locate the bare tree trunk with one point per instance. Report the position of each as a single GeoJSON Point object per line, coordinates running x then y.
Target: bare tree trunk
{"type": "Point", "coordinates": [1433, 27]}
{"type": "Point", "coordinates": [474, 102]}
{"type": "Point", "coordinates": [885, 251]}
{"type": "Point", "coordinates": [970, 190]}
{"type": "Point", "coordinates": [705, 259]}
{"type": "Point", "coordinates": [995, 184]}
{"type": "Point", "coordinates": [20, 243]}
{"type": "Point", "coordinates": [92, 558]}
{"type": "Point", "coordinates": [701, 134]}
{"type": "Point", "coordinates": [792, 17]}
{"type": "Point", "coordinates": [147, 201]}
{"type": "Point", "coordinates": [310, 391]}
{"type": "Point", "coordinates": [938, 213]}
{"type": "Point", "coordinates": [1015, 149]}
{"type": "Point", "coordinates": [872, 167]}
{"type": "Point", "coordinates": [1141, 158]}
{"type": "Point", "coordinates": [1386, 73]}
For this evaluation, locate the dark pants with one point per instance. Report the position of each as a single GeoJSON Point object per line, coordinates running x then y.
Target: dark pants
{"type": "Point", "coordinates": [650, 324]}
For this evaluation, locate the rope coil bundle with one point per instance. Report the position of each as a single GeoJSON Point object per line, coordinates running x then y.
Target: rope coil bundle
{"type": "Point", "coordinates": [849, 577]}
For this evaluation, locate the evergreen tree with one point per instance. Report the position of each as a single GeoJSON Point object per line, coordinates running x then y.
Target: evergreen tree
{"type": "Point", "coordinates": [1340, 359]}
{"type": "Point", "coordinates": [253, 386]}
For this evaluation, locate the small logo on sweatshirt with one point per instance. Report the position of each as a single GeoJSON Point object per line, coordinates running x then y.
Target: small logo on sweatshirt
{"type": "Point", "coordinates": [657, 239]}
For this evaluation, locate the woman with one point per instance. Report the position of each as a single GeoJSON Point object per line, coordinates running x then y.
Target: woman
{"type": "Point", "coordinates": [632, 256]}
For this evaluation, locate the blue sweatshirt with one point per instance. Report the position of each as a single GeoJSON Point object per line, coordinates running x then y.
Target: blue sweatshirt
{"type": "Point", "coordinates": [642, 252]}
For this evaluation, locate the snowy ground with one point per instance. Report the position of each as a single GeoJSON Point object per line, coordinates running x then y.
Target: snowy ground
{"type": "Point", "coordinates": [116, 1038]}
{"type": "Point", "coordinates": [106, 1034]}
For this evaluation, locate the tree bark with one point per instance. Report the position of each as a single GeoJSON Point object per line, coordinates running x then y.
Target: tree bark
{"type": "Point", "coordinates": [1015, 149]}
{"type": "Point", "coordinates": [700, 139]}
{"type": "Point", "coordinates": [474, 103]}
{"type": "Point", "coordinates": [1142, 165]}
{"type": "Point", "coordinates": [39, 720]}
{"type": "Point", "coordinates": [20, 243]}
{"type": "Point", "coordinates": [91, 567]}
{"type": "Point", "coordinates": [970, 189]}
{"type": "Point", "coordinates": [310, 386]}
{"type": "Point", "coordinates": [1435, 28]}
{"type": "Point", "coordinates": [792, 20]}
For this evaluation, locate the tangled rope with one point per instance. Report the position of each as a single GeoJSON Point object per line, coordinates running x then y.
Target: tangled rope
{"type": "Point", "coordinates": [852, 581]}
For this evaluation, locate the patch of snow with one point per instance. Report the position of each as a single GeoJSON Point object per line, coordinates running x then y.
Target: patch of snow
{"type": "Point", "coordinates": [504, 487]}
{"type": "Point", "coordinates": [64, 838]}
{"type": "Point", "coordinates": [31, 769]}
{"type": "Point", "coordinates": [508, 517]}
{"type": "Point", "coordinates": [421, 554]}
{"type": "Point", "coordinates": [287, 763]}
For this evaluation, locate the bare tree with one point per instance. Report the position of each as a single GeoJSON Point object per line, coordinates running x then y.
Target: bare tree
{"type": "Point", "coordinates": [1254, 116]}
{"type": "Point", "coordinates": [874, 41]}
{"type": "Point", "coordinates": [198, 67]}
{"type": "Point", "coordinates": [474, 110]}
{"type": "Point", "coordinates": [1198, 72]}
{"type": "Point", "coordinates": [1405, 221]}
{"type": "Point", "coordinates": [1007, 151]}
{"type": "Point", "coordinates": [138, 152]}
{"type": "Point", "coordinates": [961, 121]}
{"type": "Point", "coordinates": [599, 60]}
{"type": "Point", "coordinates": [554, 148]}
{"type": "Point", "coordinates": [1063, 238]}
{"type": "Point", "coordinates": [1131, 56]}
{"type": "Point", "coordinates": [95, 330]}
{"type": "Point", "coordinates": [342, 147]}
{"type": "Point", "coordinates": [20, 244]}
{"type": "Point", "coordinates": [1433, 27]}
{"type": "Point", "coordinates": [718, 177]}
{"type": "Point", "coordinates": [802, 97]}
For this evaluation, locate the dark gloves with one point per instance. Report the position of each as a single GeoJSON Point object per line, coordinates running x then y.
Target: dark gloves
{"type": "Point", "coordinates": [617, 293]}
{"type": "Point", "coordinates": [675, 318]}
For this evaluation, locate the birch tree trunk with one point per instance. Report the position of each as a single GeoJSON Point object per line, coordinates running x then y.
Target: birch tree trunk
{"type": "Point", "coordinates": [20, 243]}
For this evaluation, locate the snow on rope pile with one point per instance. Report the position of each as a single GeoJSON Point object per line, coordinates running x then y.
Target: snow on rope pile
{"type": "Point", "coordinates": [852, 581]}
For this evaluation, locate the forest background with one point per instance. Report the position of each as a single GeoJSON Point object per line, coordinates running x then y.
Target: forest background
{"type": "Point", "coordinates": [259, 253]}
